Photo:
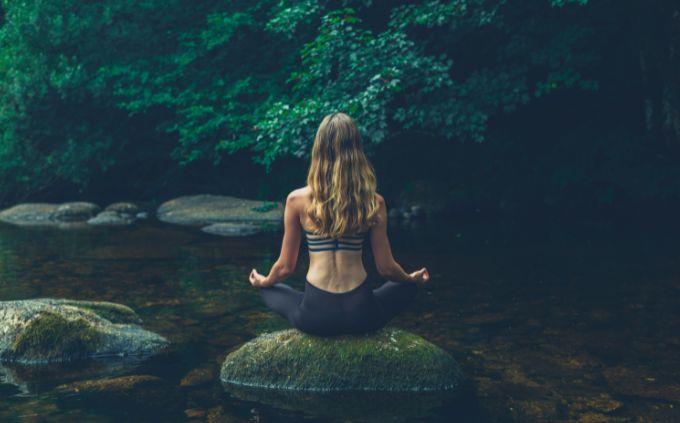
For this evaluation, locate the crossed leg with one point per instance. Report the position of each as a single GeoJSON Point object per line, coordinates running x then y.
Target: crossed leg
{"type": "Point", "coordinates": [282, 298]}
{"type": "Point", "coordinates": [394, 297]}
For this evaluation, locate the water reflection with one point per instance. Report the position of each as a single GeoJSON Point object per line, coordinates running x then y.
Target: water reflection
{"type": "Point", "coordinates": [550, 321]}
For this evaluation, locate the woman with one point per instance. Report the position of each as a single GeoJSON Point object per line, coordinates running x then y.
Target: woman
{"type": "Point", "coordinates": [338, 211]}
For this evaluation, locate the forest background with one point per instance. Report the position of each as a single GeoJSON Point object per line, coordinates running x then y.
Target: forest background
{"type": "Point", "coordinates": [561, 107]}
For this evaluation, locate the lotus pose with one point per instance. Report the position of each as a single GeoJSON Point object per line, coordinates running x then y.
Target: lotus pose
{"type": "Point", "coordinates": [338, 212]}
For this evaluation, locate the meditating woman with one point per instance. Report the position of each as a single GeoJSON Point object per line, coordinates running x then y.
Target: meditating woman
{"type": "Point", "coordinates": [337, 211]}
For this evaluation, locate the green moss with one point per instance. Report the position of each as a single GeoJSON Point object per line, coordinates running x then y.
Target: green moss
{"type": "Point", "coordinates": [51, 337]}
{"type": "Point", "coordinates": [115, 313]}
{"type": "Point", "coordinates": [389, 360]}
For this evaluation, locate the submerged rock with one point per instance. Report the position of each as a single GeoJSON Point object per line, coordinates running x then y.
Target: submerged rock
{"type": "Point", "coordinates": [233, 229]}
{"type": "Point", "coordinates": [111, 218]}
{"type": "Point", "coordinates": [139, 390]}
{"type": "Point", "coordinates": [49, 214]}
{"type": "Point", "coordinates": [200, 210]}
{"type": "Point", "coordinates": [197, 377]}
{"type": "Point", "coordinates": [52, 330]}
{"type": "Point", "coordinates": [117, 214]}
{"type": "Point", "coordinates": [389, 360]}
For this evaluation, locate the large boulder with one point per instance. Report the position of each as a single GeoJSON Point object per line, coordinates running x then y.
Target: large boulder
{"type": "Point", "coordinates": [49, 214]}
{"type": "Point", "coordinates": [53, 330]}
{"type": "Point", "coordinates": [202, 210]}
{"type": "Point", "coordinates": [388, 360]}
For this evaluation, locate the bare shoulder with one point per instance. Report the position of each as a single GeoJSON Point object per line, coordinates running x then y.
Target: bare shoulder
{"type": "Point", "coordinates": [298, 196]}
{"type": "Point", "coordinates": [379, 198]}
{"type": "Point", "coordinates": [381, 201]}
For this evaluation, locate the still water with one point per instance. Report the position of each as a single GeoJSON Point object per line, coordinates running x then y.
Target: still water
{"type": "Point", "coordinates": [574, 322]}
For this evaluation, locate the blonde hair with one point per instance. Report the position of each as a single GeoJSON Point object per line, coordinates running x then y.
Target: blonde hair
{"type": "Point", "coordinates": [341, 178]}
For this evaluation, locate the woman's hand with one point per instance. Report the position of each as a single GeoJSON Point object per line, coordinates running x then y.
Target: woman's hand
{"type": "Point", "coordinates": [257, 280]}
{"type": "Point", "coordinates": [420, 276]}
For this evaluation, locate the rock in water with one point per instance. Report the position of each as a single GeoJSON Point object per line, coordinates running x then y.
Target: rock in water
{"type": "Point", "coordinates": [29, 213]}
{"type": "Point", "coordinates": [77, 211]}
{"type": "Point", "coordinates": [111, 218]}
{"type": "Point", "coordinates": [232, 229]}
{"type": "Point", "coordinates": [123, 207]}
{"type": "Point", "coordinates": [388, 360]}
{"type": "Point", "coordinates": [200, 210]}
{"type": "Point", "coordinates": [138, 390]}
{"type": "Point", "coordinates": [52, 330]}
{"type": "Point", "coordinates": [117, 214]}
{"type": "Point", "coordinates": [60, 215]}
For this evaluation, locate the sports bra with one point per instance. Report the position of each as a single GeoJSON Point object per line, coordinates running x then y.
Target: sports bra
{"type": "Point", "coordinates": [316, 242]}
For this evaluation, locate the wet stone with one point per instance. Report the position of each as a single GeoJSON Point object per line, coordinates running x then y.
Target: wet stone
{"type": "Point", "coordinates": [123, 208]}
{"type": "Point", "coordinates": [388, 360]}
{"type": "Point", "coordinates": [144, 390]}
{"type": "Point", "coordinates": [75, 211]}
{"type": "Point", "coordinates": [111, 218]}
{"type": "Point", "coordinates": [200, 210]}
{"type": "Point", "coordinates": [232, 229]}
{"type": "Point", "coordinates": [198, 377]}
{"type": "Point", "coordinates": [48, 214]}
{"type": "Point", "coordinates": [194, 413]}
{"type": "Point", "coordinates": [57, 330]}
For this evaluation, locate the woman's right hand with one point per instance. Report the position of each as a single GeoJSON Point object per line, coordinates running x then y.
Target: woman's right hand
{"type": "Point", "coordinates": [420, 276]}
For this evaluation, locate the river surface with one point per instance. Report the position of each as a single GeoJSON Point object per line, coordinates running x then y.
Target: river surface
{"type": "Point", "coordinates": [567, 322]}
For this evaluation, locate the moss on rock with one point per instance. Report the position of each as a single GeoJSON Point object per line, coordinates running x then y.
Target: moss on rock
{"type": "Point", "coordinates": [113, 312]}
{"type": "Point", "coordinates": [201, 210]}
{"type": "Point", "coordinates": [389, 360]}
{"type": "Point", "coordinates": [46, 330]}
{"type": "Point", "coordinates": [51, 337]}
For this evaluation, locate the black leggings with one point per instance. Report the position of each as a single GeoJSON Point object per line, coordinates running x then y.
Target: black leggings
{"type": "Point", "coordinates": [323, 313]}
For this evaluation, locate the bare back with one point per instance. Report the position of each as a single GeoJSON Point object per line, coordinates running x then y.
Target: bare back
{"type": "Point", "coordinates": [337, 270]}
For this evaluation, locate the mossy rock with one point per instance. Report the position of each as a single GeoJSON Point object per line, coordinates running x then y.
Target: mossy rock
{"type": "Point", "coordinates": [113, 312]}
{"type": "Point", "coordinates": [74, 211]}
{"type": "Point", "coordinates": [205, 209]}
{"type": "Point", "coordinates": [54, 330]}
{"type": "Point", "coordinates": [52, 337]}
{"type": "Point", "coordinates": [65, 215]}
{"type": "Point", "coordinates": [111, 218]}
{"type": "Point", "coordinates": [388, 360]}
{"type": "Point", "coordinates": [123, 207]}
{"type": "Point", "coordinates": [29, 214]}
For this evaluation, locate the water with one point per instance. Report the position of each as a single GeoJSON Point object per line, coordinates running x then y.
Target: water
{"type": "Point", "coordinates": [550, 321]}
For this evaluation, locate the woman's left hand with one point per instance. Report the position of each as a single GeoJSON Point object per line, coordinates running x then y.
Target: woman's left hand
{"type": "Point", "coordinates": [257, 280]}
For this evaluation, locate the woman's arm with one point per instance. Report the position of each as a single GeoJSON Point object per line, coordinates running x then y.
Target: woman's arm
{"type": "Point", "coordinates": [382, 252]}
{"type": "Point", "coordinates": [290, 247]}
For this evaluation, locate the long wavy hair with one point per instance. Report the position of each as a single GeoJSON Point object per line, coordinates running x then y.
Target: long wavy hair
{"type": "Point", "coordinates": [342, 180]}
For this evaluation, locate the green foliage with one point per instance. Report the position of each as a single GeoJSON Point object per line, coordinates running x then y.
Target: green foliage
{"type": "Point", "coordinates": [79, 79]}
